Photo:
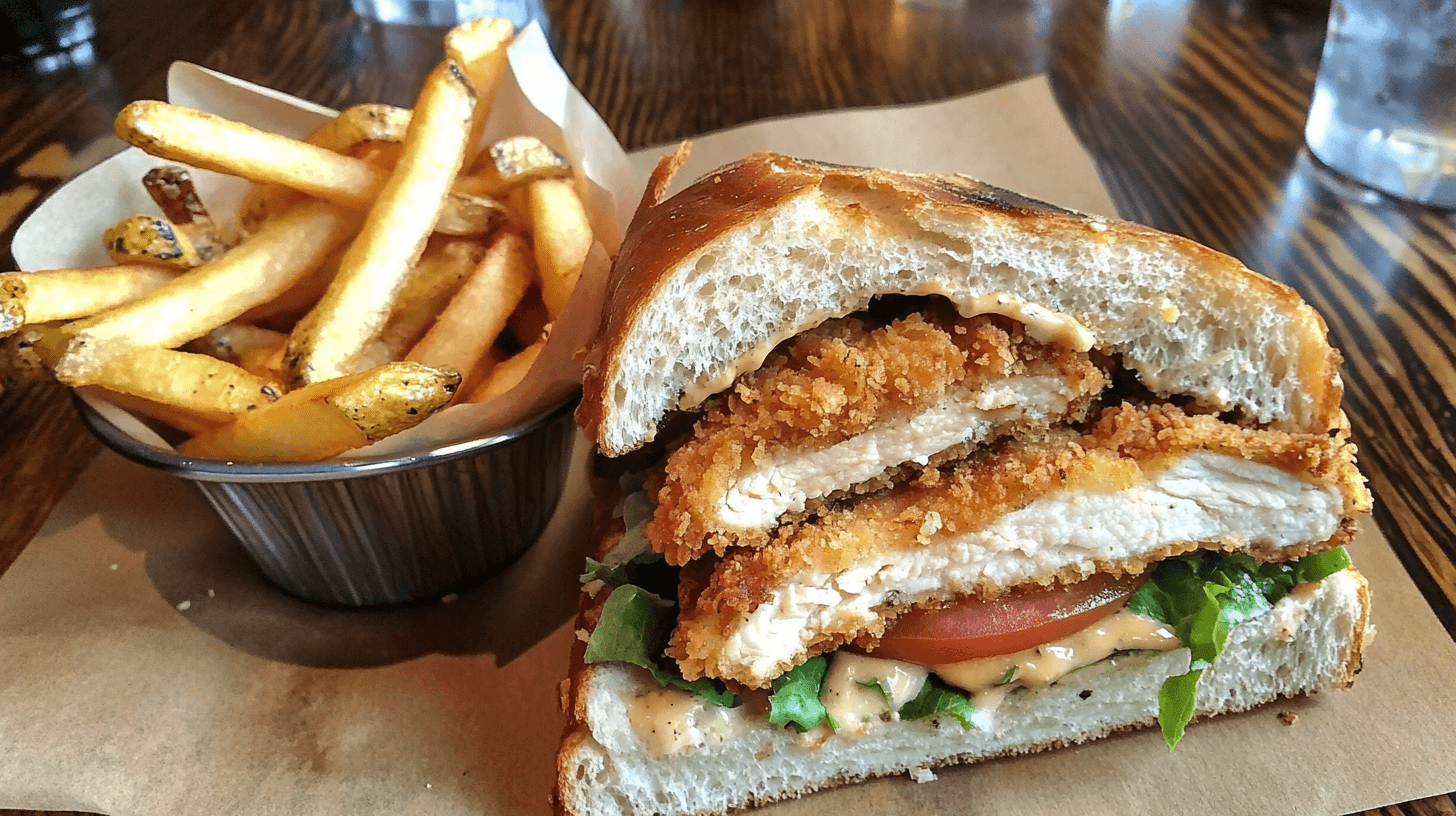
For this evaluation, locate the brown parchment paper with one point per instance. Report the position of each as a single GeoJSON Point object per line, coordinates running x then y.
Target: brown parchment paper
{"type": "Point", "coordinates": [147, 668]}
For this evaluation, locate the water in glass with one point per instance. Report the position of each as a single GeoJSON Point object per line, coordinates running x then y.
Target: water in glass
{"type": "Point", "coordinates": [1384, 107]}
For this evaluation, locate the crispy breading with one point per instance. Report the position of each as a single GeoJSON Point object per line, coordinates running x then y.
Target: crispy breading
{"type": "Point", "coordinates": [833, 383]}
{"type": "Point", "coordinates": [1126, 445]}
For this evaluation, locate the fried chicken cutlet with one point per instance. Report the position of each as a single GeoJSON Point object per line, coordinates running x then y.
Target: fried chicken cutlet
{"type": "Point", "coordinates": [853, 406]}
{"type": "Point", "coordinates": [1142, 484]}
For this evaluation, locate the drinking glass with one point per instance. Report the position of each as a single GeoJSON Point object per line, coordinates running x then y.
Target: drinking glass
{"type": "Point", "coordinates": [1384, 106]}
{"type": "Point", "coordinates": [446, 12]}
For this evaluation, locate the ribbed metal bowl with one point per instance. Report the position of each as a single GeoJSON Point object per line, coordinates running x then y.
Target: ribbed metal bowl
{"type": "Point", "coordinates": [384, 530]}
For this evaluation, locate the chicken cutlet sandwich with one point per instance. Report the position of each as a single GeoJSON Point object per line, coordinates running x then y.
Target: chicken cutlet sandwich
{"type": "Point", "coordinates": [896, 471]}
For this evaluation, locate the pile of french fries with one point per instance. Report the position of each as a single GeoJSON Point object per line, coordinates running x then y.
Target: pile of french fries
{"type": "Point", "coordinates": [381, 269]}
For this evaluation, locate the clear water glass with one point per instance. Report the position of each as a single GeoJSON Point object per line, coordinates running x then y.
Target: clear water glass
{"type": "Point", "coordinates": [447, 12]}
{"type": "Point", "coordinates": [1384, 106]}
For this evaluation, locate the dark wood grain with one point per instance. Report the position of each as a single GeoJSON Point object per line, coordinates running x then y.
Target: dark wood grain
{"type": "Point", "coordinates": [1193, 113]}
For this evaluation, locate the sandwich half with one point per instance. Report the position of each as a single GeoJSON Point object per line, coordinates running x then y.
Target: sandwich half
{"type": "Point", "coordinates": [895, 471]}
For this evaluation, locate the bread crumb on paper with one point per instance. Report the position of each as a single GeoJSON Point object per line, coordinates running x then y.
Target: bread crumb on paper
{"type": "Point", "coordinates": [922, 775]}
{"type": "Point", "coordinates": [115, 566]}
{"type": "Point", "coordinates": [1288, 717]}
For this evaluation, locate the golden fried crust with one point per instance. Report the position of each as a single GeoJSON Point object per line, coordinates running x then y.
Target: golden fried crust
{"type": "Point", "coordinates": [1122, 447]}
{"type": "Point", "coordinates": [830, 384]}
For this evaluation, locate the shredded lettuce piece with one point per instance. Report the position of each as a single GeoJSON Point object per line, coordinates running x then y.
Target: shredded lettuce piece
{"type": "Point", "coordinates": [939, 700]}
{"type": "Point", "coordinates": [615, 568]}
{"type": "Point", "coordinates": [1205, 595]}
{"type": "Point", "coordinates": [876, 685]}
{"type": "Point", "coordinates": [795, 700]}
{"type": "Point", "coordinates": [633, 629]}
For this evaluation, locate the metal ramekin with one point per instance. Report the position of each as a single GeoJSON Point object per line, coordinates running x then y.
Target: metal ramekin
{"type": "Point", "coordinates": [382, 530]}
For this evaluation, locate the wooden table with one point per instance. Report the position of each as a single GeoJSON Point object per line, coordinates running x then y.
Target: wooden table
{"type": "Point", "coordinates": [1193, 111]}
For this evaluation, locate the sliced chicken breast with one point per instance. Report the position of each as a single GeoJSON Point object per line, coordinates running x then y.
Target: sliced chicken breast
{"type": "Point", "coordinates": [852, 407]}
{"type": "Point", "coordinates": [1141, 485]}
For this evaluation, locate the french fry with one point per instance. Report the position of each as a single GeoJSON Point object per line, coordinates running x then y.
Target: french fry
{"type": "Point", "coordinates": [256, 350]}
{"type": "Point", "coordinates": [151, 240]}
{"type": "Point", "coordinates": [563, 238]}
{"type": "Point", "coordinates": [508, 374]}
{"type": "Point", "coordinates": [12, 303]}
{"type": "Point", "coordinates": [196, 383]}
{"type": "Point", "coordinates": [230, 340]}
{"type": "Point", "coordinates": [467, 215]}
{"type": "Point", "coordinates": [200, 300]}
{"type": "Point", "coordinates": [477, 314]}
{"type": "Point", "coordinates": [440, 273]}
{"type": "Point", "coordinates": [478, 47]}
{"type": "Point", "coordinates": [493, 357]}
{"type": "Point", "coordinates": [301, 296]}
{"type": "Point", "coordinates": [353, 128]}
{"type": "Point", "coordinates": [510, 163]}
{"type": "Point", "coordinates": [328, 418]}
{"type": "Point", "coordinates": [171, 188]}
{"type": "Point", "coordinates": [352, 312]}
{"type": "Point", "coordinates": [48, 342]}
{"type": "Point", "coordinates": [379, 154]}
{"type": "Point", "coordinates": [211, 142]}
{"type": "Point", "coordinates": [370, 122]}
{"type": "Point", "coordinates": [264, 362]}
{"type": "Point", "coordinates": [170, 415]}
{"type": "Point", "coordinates": [66, 294]}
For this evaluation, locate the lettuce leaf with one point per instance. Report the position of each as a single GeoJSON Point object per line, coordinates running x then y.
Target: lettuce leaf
{"type": "Point", "coordinates": [938, 700]}
{"type": "Point", "coordinates": [1203, 596]}
{"type": "Point", "coordinates": [633, 629]}
{"type": "Point", "coordinates": [620, 563]}
{"type": "Point", "coordinates": [795, 699]}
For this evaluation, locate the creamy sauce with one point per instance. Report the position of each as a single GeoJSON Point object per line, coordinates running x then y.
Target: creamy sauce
{"type": "Point", "coordinates": [760, 496]}
{"type": "Point", "coordinates": [861, 692]}
{"type": "Point", "coordinates": [989, 678]}
{"type": "Point", "coordinates": [1041, 323]}
{"type": "Point", "coordinates": [673, 721]}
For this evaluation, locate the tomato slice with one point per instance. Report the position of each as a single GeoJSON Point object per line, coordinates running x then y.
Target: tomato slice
{"type": "Point", "coordinates": [1013, 622]}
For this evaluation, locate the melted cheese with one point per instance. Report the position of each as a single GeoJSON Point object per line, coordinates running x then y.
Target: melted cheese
{"type": "Point", "coordinates": [786, 483]}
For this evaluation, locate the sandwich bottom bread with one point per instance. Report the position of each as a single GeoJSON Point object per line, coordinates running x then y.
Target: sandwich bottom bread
{"type": "Point", "coordinates": [637, 747]}
{"type": "Point", "coordinates": [932, 473]}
